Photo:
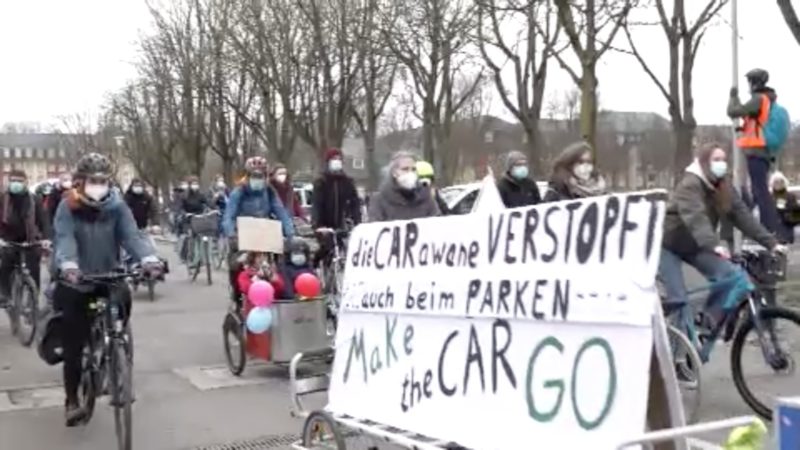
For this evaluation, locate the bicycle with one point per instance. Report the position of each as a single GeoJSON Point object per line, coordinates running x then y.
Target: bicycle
{"type": "Point", "coordinates": [331, 272]}
{"type": "Point", "coordinates": [750, 312]}
{"type": "Point", "coordinates": [198, 250]}
{"type": "Point", "coordinates": [23, 306]}
{"type": "Point", "coordinates": [108, 355]}
{"type": "Point", "coordinates": [219, 251]}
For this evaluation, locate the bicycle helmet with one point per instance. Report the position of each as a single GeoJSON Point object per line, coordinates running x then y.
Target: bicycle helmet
{"type": "Point", "coordinates": [256, 165]}
{"type": "Point", "coordinates": [425, 170]}
{"type": "Point", "coordinates": [93, 165]}
{"type": "Point", "coordinates": [757, 77]}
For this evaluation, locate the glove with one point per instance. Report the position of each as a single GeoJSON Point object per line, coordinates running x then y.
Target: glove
{"type": "Point", "coordinates": [734, 92]}
{"type": "Point", "coordinates": [780, 248]}
{"type": "Point", "coordinates": [153, 269]}
{"type": "Point", "coordinates": [71, 276]}
{"type": "Point", "coordinates": [722, 251]}
{"type": "Point", "coordinates": [46, 245]}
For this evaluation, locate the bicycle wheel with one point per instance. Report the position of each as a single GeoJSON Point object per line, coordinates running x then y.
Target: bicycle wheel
{"type": "Point", "coordinates": [151, 289]}
{"type": "Point", "coordinates": [320, 431]}
{"type": "Point", "coordinates": [13, 308]}
{"type": "Point", "coordinates": [207, 260]}
{"type": "Point", "coordinates": [233, 338]}
{"type": "Point", "coordinates": [687, 366]}
{"type": "Point", "coordinates": [26, 306]}
{"type": "Point", "coordinates": [778, 370]}
{"type": "Point", "coordinates": [88, 387]}
{"type": "Point", "coordinates": [221, 254]}
{"type": "Point", "coordinates": [197, 256]}
{"type": "Point", "coordinates": [121, 390]}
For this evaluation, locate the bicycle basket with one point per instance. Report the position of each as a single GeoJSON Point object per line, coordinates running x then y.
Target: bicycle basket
{"type": "Point", "coordinates": [767, 267]}
{"type": "Point", "coordinates": [206, 224]}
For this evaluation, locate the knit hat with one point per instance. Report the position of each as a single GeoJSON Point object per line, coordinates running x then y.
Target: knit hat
{"type": "Point", "coordinates": [332, 153]}
{"type": "Point", "coordinates": [514, 157]}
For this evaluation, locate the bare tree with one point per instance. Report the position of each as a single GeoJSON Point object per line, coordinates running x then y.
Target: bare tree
{"type": "Point", "coordinates": [430, 39]}
{"type": "Point", "coordinates": [790, 16]}
{"type": "Point", "coordinates": [683, 39]}
{"type": "Point", "coordinates": [590, 27]}
{"type": "Point", "coordinates": [527, 51]}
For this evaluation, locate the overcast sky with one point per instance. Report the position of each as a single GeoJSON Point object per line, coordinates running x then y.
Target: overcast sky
{"type": "Point", "coordinates": [62, 57]}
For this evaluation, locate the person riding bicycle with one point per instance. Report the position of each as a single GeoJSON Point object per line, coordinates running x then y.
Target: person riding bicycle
{"type": "Point", "coordinates": [219, 194]}
{"type": "Point", "coordinates": [252, 198]}
{"type": "Point", "coordinates": [91, 226]}
{"type": "Point", "coordinates": [282, 183]}
{"type": "Point", "coordinates": [702, 199]}
{"type": "Point", "coordinates": [192, 202]}
{"type": "Point", "coordinates": [335, 203]}
{"type": "Point", "coordinates": [141, 203]}
{"type": "Point", "coordinates": [61, 186]}
{"type": "Point", "coordinates": [22, 219]}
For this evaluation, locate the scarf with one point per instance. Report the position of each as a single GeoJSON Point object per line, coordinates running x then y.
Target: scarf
{"type": "Point", "coordinates": [592, 187]}
{"type": "Point", "coordinates": [30, 214]}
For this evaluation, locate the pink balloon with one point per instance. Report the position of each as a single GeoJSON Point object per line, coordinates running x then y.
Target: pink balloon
{"type": "Point", "coordinates": [261, 293]}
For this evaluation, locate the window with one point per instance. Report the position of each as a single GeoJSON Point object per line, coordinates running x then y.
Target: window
{"type": "Point", "coordinates": [488, 137]}
{"type": "Point", "coordinates": [39, 153]}
{"type": "Point", "coordinates": [62, 154]}
{"type": "Point", "coordinates": [7, 153]}
{"type": "Point", "coordinates": [358, 163]}
{"type": "Point", "coordinates": [51, 153]}
{"type": "Point", "coordinates": [16, 153]}
{"type": "Point", "coordinates": [29, 153]}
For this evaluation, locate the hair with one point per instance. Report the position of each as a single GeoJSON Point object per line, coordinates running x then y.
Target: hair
{"type": "Point", "coordinates": [723, 191]}
{"type": "Point", "coordinates": [563, 164]}
{"type": "Point", "coordinates": [397, 156]}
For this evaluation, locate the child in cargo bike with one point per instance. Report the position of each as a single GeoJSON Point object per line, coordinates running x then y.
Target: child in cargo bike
{"type": "Point", "coordinates": [295, 262]}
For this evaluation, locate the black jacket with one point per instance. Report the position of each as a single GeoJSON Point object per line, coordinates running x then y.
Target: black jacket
{"type": "Point", "coordinates": [516, 193]}
{"type": "Point", "coordinates": [194, 202]}
{"type": "Point", "coordinates": [22, 218]}
{"type": "Point", "coordinates": [335, 200]}
{"type": "Point", "coordinates": [142, 206]}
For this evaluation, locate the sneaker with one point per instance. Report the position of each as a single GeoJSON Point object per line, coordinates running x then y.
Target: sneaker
{"type": "Point", "coordinates": [73, 413]}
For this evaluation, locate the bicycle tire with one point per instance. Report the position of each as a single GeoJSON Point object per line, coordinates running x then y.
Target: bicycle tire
{"type": "Point", "coordinates": [196, 257]}
{"type": "Point", "coordinates": [207, 261]}
{"type": "Point", "coordinates": [688, 360]}
{"type": "Point", "coordinates": [151, 289]}
{"type": "Point", "coordinates": [27, 293]}
{"type": "Point", "coordinates": [232, 329]}
{"type": "Point", "coordinates": [739, 341]}
{"type": "Point", "coordinates": [222, 252]}
{"type": "Point", "coordinates": [312, 425]}
{"type": "Point", "coordinates": [121, 399]}
{"type": "Point", "coordinates": [14, 303]}
{"type": "Point", "coordinates": [88, 387]}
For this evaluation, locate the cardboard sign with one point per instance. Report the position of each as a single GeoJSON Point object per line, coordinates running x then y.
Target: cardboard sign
{"type": "Point", "coordinates": [507, 329]}
{"type": "Point", "coordinates": [259, 235]}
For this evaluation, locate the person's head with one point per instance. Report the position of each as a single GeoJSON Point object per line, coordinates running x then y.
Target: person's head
{"type": "Point", "coordinates": [256, 260]}
{"type": "Point", "coordinates": [280, 174]}
{"type": "Point", "coordinates": [575, 161]}
{"type": "Point", "coordinates": [778, 182]}
{"type": "Point", "coordinates": [65, 181]}
{"type": "Point", "coordinates": [183, 185]}
{"type": "Point", "coordinates": [94, 171]}
{"type": "Point", "coordinates": [17, 182]}
{"type": "Point", "coordinates": [256, 168]}
{"type": "Point", "coordinates": [219, 183]}
{"type": "Point", "coordinates": [403, 169]}
{"type": "Point", "coordinates": [298, 252]}
{"type": "Point", "coordinates": [757, 79]}
{"type": "Point", "coordinates": [137, 187]}
{"type": "Point", "coordinates": [193, 183]}
{"type": "Point", "coordinates": [517, 165]}
{"type": "Point", "coordinates": [425, 174]}
{"type": "Point", "coordinates": [47, 188]}
{"type": "Point", "coordinates": [713, 162]}
{"type": "Point", "coordinates": [334, 160]}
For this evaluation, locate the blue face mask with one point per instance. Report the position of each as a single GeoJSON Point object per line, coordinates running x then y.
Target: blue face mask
{"type": "Point", "coordinates": [257, 184]}
{"type": "Point", "coordinates": [519, 172]}
{"type": "Point", "coordinates": [16, 187]}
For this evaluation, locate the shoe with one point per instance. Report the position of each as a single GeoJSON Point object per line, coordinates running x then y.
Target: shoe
{"type": "Point", "coordinates": [73, 413]}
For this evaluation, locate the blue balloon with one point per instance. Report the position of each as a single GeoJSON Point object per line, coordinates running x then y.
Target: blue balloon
{"type": "Point", "coordinates": [259, 319]}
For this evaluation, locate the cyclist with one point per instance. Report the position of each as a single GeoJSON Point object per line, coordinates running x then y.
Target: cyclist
{"type": "Point", "coordinates": [142, 204]}
{"type": "Point", "coordinates": [701, 200]}
{"type": "Point", "coordinates": [282, 183]}
{"type": "Point", "coordinates": [335, 203]}
{"type": "Point", "coordinates": [426, 176]}
{"type": "Point", "coordinates": [22, 219]}
{"type": "Point", "coordinates": [252, 198]}
{"type": "Point", "coordinates": [91, 226]}
{"type": "Point", "coordinates": [219, 194]}
{"type": "Point", "coordinates": [517, 188]}
{"type": "Point", "coordinates": [191, 202]}
{"type": "Point", "coordinates": [63, 185]}
{"type": "Point", "coordinates": [401, 197]}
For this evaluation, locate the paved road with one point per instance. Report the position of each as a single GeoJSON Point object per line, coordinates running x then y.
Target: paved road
{"type": "Point", "coordinates": [185, 397]}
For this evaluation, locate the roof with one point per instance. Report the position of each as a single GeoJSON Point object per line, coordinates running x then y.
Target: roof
{"type": "Point", "coordinates": [32, 140]}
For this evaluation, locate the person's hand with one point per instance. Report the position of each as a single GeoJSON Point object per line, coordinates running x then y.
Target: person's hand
{"type": "Point", "coordinates": [780, 248]}
{"type": "Point", "coordinates": [734, 91]}
{"type": "Point", "coordinates": [72, 276]}
{"type": "Point", "coordinates": [46, 244]}
{"type": "Point", "coordinates": [722, 251]}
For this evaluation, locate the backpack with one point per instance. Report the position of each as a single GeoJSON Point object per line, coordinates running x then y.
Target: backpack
{"type": "Point", "coordinates": [776, 130]}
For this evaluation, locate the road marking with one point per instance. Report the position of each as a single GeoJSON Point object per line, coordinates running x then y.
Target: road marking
{"type": "Point", "coordinates": [26, 398]}
{"type": "Point", "coordinates": [206, 378]}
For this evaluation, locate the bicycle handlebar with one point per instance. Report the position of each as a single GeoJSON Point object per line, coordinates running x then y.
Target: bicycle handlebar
{"type": "Point", "coordinates": [21, 245]}
{"type": "Point", "coordinates": [110, 277]}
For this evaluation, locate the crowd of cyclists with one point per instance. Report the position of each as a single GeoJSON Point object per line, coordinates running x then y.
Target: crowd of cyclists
{"type": "Point", "coordinates": [89, 220]}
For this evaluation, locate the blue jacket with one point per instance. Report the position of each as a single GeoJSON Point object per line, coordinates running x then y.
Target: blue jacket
{"type": "Point", "coordinates": [245, 202]}
{"type": "Point", "coordinates": [89, 239]}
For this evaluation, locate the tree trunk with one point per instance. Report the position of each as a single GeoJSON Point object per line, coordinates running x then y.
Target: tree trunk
{"type": "Point", "coordinates": [533, 149]}
{"type": "Point", "coordinates": [684, 135]}
{"type": "Point", "coordinates": [227, 169]}
{"type": "Point", "coordinates": [373, 170]}
{"type": "Point", "coordinates": [589, 106]}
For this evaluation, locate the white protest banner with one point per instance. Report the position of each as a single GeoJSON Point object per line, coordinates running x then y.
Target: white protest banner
{"type": "Point", "coordinates": [489, 199]}
{"type": "Point", "coordinates": [521, 328]}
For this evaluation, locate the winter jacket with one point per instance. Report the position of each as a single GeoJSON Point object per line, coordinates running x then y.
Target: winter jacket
{"type": "Point", "coordinates": [287, 195]}
{"type": "Point", "coordinates": [393, 203]}
{"type": "Point", "coordinates": [789, 211]}
{"type": "Point", "coordinates": [516, 193]}
{"type": "Point", "coordinates": [246, 202]}
{"type": "Point", "coordinates": [692, 217]}
{"type": "Point", "coordinates": [142, 206]}
{"type": "Point", "coordinates": [335, 200]}
{"type": "Point", "coordinates": [22, 218]}
{"type": "Point", "coordinates": [89, 238]}
{"type": "Point", "coordinates": [194, 202]}
{"type": "Point", "coordinates": [751, 109]}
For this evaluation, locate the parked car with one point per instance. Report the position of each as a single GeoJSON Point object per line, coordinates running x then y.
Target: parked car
{"type": "Point", "coordinates": [461, 198]}
{"type": "Point", "coordinates": [305, 194]}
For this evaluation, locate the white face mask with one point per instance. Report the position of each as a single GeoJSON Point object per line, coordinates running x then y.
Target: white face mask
{"type": "Point", "coordinates": [280, 178]}
{"type": "Point", "coordinates": [583, 171]}
{"type": "Point", "coordinates": [407, 180]}
{"type": "Point", "coordinates": [335, 165]}
{"type": "Point", "coordinates": [66, 184]}
{"type": "Point", "coordinates": [137, 189]}
{"type": "Point", "coordinates": [220, 185]}
{"type": "Point", "coordinates": [718, 168]}
{"type": "Point", "coordinates": [298, 259]}
{"type": "Point", "coordinates": [194, 187]}
{"type": "Point", "coordinates": [96, 192]}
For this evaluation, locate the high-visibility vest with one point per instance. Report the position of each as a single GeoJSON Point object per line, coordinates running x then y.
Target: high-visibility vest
{"type": "Point", "coordinates": [752, 135]}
